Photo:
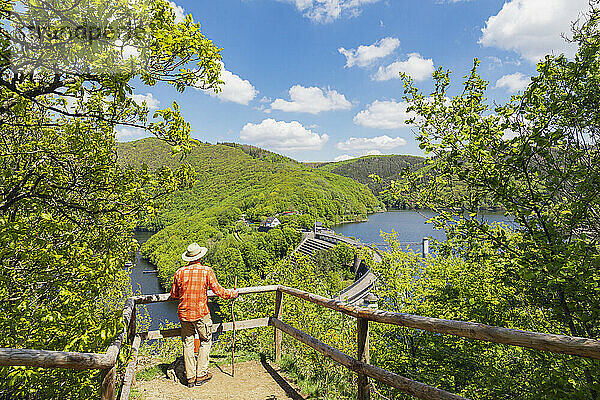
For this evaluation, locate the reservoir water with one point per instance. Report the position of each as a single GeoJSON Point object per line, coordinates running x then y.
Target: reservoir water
{"type": "Point", "coordinates": [145, 283]}
{"type": "Point", "coordinates": [410, 227]}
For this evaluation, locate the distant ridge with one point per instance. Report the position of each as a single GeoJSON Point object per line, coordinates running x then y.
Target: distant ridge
{"type": "Point", "coordinates": [387, 167]}
{"type": "Point", "coordinates": [260, 153]}
{"type": "Point", "coordinates": [258, 182]}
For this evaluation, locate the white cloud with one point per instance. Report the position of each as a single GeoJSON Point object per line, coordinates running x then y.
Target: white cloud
{"type": "Point", "coordinates": [379, 142]}
{"type": "Point", "coordinates": [179, 12]}
{"type": "Point", "coordinates": [384, 114]}
{"type": "Point", "coordinates": [281, 135]}
{"type": "Point", "coordinates": [234, 89]}
{"type": "Point", "coordinates": [130, 52]}
{"type": "Point", "coordinates": [151, 102]}
{"type": "Point", "coordinates": [416, 66]}
{"type": "Point", "coordinates": [327, 11]}
{"type": "Point", "coordinates": [345, 157]}
{"type": "Point", "coordinates": [311, 100]}
{"type": "Point", "coordinates": [533, 28]}
{"type": "Point", "coordinates": [494, 62]}
{"type": "Point", "coordinates": [364, 56]}
{"type": "Point", "coordinates": [127, 133]}
{"type": "Point", "coordinates": [509, 134]}
{"type": "Point", "coordinates": [513, 82]}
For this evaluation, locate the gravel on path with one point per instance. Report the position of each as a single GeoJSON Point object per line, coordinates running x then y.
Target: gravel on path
{"type": "Point", "coordinates": [260, 380]}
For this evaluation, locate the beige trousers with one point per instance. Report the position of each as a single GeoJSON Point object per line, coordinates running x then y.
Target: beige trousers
{"type": "Point", "coordinates": [204, 328]}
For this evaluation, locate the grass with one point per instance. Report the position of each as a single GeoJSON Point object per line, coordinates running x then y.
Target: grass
{"type": "Point", "coordinates": [135, 394]}
{"type": "Point", "coordinates": [149, 373]}
{"type": "Point", "coordinates": [316, 382]}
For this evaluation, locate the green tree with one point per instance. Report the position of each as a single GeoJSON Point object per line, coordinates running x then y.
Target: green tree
{"type": "Point", "coordinates": [462, 289]}
{"type": "Point", "coordinates": [537, 157]}
{"type": "Point", "coordinates": [67, 208]}
{"type": "Point", "coordinates": [335, 262]}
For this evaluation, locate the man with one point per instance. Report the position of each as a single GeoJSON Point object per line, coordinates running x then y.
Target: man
{"type": "Point", "coordinates": [190, 286]}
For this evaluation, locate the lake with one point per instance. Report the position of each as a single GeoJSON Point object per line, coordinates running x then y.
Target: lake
{"type": "Point", "coordinates": [142, 283]}
{"type": "Point", "coordinates": [410, 227]}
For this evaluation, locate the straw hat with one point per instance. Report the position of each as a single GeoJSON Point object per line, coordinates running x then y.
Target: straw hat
{"type": "Point", "coordinates": [194, 252]}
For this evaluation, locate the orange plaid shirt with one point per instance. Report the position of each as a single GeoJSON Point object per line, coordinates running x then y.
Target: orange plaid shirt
{"type": "Point", "coordinates": [190, 285]}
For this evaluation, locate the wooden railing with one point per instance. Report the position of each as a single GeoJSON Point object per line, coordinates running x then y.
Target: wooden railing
{"type": "Point", "coordinates": [106, 362]}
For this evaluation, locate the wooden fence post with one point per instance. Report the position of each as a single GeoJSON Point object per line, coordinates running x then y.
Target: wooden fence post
{"type": "Point", "coordinates": [107, 386]}
{"type": "Point", "coordinates": [278, 333]}
{"type": "Point", "coordinates": [131, 331]}
{"type": "Point", "coordinates": [362, 330]}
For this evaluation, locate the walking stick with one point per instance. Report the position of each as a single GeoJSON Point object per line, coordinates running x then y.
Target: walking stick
{"type": "Point", "coordinates": [233, 341]}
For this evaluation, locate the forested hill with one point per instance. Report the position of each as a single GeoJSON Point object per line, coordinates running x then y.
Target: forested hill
{"type": "Point", "coordinates": [257, 152]}
{"type": "Point", "coordinates": [231, 180]}
{"type": "Point", "coordinates": [386, 167]}
{"type": "Point", "coordinates": [228, 176]}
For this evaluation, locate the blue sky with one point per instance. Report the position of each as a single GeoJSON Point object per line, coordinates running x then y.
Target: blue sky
{"type": "Point", "coordinates": [318, 79]}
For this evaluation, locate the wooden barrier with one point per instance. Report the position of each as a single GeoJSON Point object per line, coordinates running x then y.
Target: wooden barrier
{"type": "Point", "coordinates": [217, 328]}
{"type": "Point", "coordinates": [157, 298]}
{"type": "Point", "coordinates": [362, 338]}
{"type": "Point", "coordinates": [71, 360]}
{"type": "Point", "coordinates": [277, 315]}
{"type": "Point", "coordinates": [106, 362]}
{"type": "Point", "coordinates": [130, 371]}
{"type": "Point", "coordinates": [54, 359]}
{"type": "Point", "coordinates": [578, 346]}
{"type": "Point", "coordinates": [108, 383]}
{"type": "Point", "coordinates": [409, 386]}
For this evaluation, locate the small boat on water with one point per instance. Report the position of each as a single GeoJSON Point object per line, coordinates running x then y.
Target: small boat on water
{"type": "Point", "coordinates": [150, 271]}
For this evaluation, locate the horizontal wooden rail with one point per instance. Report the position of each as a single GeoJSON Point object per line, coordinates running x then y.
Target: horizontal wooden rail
{"type": "Point", "coordinates": [217, 328]}
{"type": "Point", "coordinates": [54, 359]}
{"type": "Point", "coordinates": [406, 385]}
{"type": "Point", "coordinates": [578, 346]}
{"type": "Point", "coordinates": [161, 297]}
{"type": "Point", "coordinates": [75, 360]}
{"type": "Point", "coordinates": [69, 359]}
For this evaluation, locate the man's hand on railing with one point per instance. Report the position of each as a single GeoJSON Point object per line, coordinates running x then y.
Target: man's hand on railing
{"type": "Point", "coordinates": [236, 293]}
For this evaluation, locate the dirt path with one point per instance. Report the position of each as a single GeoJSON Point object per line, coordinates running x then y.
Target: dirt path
{"type": "Point", "coordinates": [258, 380]}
